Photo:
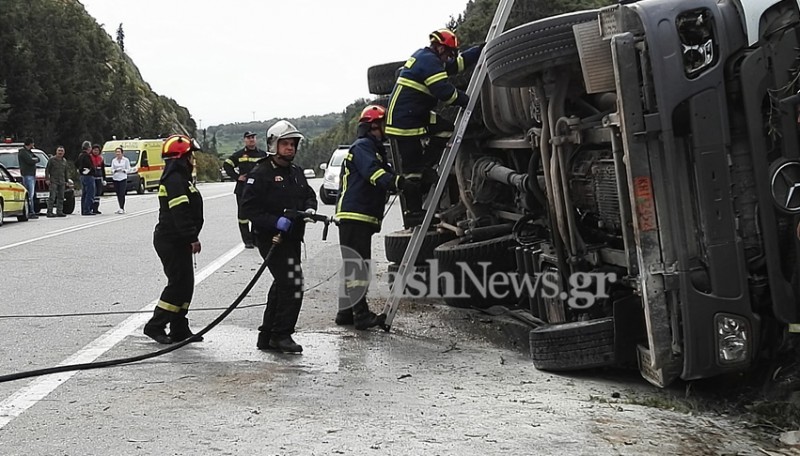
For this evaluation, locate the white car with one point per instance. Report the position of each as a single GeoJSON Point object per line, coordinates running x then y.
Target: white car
{"type": "Point", "coordinates": [329, 191]}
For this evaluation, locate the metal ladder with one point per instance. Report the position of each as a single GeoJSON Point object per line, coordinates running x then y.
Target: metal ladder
{"type": "Point", "coordinates": [445, 166]}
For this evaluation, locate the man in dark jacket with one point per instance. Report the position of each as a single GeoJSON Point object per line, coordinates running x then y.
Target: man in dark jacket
{"type": "Point", "coordinates": [272, 187]}
{"type": "Point", "coordinates": [238, 166]}
{"type": "Point", "coordinates": [86, 170]}
{"type": "Point", "coordinates": [366, 178]}
{"type": "Point", "coordinates": [27, 169]}
{"type": "Point", "coordinates": [180, 219]}
{"type": "Point", "coordinates": [421, 84]}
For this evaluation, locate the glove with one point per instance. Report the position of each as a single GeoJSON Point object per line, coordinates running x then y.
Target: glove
{"type": "Point", "coordinates": [408, 185]}
{"type": "Point", "coordinates": [283, 224]}
{"type": "Point", "coordinates": [429, 176]}
{"type": "Point", "coordinates": [462, 100]}
{"type": "Point", "coordinates": [309, 211]}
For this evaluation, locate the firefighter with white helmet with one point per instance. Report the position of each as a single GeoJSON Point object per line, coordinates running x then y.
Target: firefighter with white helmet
{"type": "Point", "coordinates": [180, 219]}
{"type": "Point", "coordinates": [272, 187]}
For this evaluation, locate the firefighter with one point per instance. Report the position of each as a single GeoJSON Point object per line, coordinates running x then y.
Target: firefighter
{"type": "Point", "coordinates": [238, 166]}
{"type": "Point", "coordinates": [366, 178]}
{"type": "Point", "coordinates": [422, 83]}
{"type": "Point", "coordinates": [180, 219]}
{"type": "Point", "coordinates": [272, 187]}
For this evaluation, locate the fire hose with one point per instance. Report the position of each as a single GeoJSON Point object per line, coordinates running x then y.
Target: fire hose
{"type": "Point", "coordinates": [116, 362]}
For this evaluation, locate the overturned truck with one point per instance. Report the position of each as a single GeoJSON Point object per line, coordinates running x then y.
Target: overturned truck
{"type": "Point", "coordinates": [645, 158]}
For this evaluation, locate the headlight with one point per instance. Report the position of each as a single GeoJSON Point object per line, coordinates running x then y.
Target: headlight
{"type": "Point", "coordinates": [330, 177]}
{"type": "Point", "coordinates": [733, 339]}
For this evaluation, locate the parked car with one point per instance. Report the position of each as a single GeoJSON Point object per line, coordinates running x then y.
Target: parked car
{"type": "Point", "coordinates": [329, 190]}
{"type": "Point", "coordinates": [309, 173]}
{"type": "Point", "coordinates": [652, 140]}
{"type": "Point", "coordinates": [13, 197]}
{"type": "Point", "coordinates": [9, 158]}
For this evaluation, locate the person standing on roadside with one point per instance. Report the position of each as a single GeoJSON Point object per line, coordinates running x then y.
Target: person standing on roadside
{"type": "Point", "coordinates": [56, 176]}
{"type": "Point", "coordinates": [273, 186]}
{"type": "Point", "coordinates": [27, 168]}
{"type": "Point", "coordinates": [86, 170]}
{"type": "Point", "coordinates": [120, 167]}
{"type": "Point", "coordinates": [238, 166]}
{"type": "Point", "coordinates": [99, 177]}
{"type": "Point", "coordinates": [180, 219]}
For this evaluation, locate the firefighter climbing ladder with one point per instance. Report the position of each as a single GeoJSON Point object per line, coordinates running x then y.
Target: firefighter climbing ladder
{"type": "Point", "coordinates": [445, 165]}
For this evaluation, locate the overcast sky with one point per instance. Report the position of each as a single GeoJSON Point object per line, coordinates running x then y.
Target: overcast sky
{"type": "Point", "coordinates": [226, 60]}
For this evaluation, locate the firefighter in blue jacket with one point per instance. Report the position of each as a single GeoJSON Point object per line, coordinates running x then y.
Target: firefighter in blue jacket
{"type": "Point", "coordinates": [365, 180]}
{"type": "Point", "coordinates": [180, 219]}
{"type": "Point", "coordinates": [421, 84]}
{"type": "Point", "coordinates": [274, 185]}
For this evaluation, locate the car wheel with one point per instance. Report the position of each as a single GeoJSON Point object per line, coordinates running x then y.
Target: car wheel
{"type": "Point", "coordinates": [24, 216]}
{"type": "Point", "coordinates": [69, 205]}
{"type": "Point", "coordinates": [381, 78]}
{"type": "Point", "coordinates": [140, 187]}
{"type": "Point", "coordinates": [493, 254]}
{"type": "Point", "coordinates": [573, 346]}
{"type": "Point", "coordinates": [514, 57]}
{"type": "Point", "coordinates": [2, 213]}
{"type": "Point", "coordinates": [396, 243]}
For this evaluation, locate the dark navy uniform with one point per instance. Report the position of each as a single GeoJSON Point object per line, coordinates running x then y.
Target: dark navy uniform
{"type": "Point", "coordinates": [365, 180]}
{"type": "Point", "coordinates": [268, 191]}
{"type": "Point", "coordinates": [241, 163]}
{"type": "Point", "coordinates": [180, 219]}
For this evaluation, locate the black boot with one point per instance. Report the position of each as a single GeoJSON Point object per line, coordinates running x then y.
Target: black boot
{"type": "Point", "coordinates": [285, 344]}
{"type": "Point", "coordinates": [263, 341]}
{"type": "Point", "coordinates": [363, 318]}
{"type": "Point", "coordinates": [344, 317]}
{"type": "Point", "coordinates": [179, 328]}
{"type": "Point", "coordinates": [156, 327]}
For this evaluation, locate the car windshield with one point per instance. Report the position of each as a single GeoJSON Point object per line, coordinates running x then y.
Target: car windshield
{"type": "Point", "coordinates": [133, 156]}
{"type": "Point", "coordinates": [11, 160]}
{"type": "Point", "coordinates": [338, 158]}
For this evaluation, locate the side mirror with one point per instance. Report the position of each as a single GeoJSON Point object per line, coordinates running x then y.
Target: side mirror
{"type": "Point", "coordinates": [323, 166]}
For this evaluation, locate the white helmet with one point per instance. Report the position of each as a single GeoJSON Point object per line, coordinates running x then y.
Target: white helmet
{"type": "Point", "coordinates": [281, 130]}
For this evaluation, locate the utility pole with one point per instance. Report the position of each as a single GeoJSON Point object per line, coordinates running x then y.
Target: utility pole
{"type": "Point", "coordinates": [254, 115]}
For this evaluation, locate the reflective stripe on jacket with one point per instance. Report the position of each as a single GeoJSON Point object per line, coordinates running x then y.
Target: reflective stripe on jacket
{"type": "Point", "coordinates": [422, 83]}
{"type": "Point", "coordinates": [366, 177]}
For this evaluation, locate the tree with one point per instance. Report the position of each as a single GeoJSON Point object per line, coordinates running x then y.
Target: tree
{"type": "Point", "coordinates": [4, 107]}
{"type": "Point", "coordinates": [121, 37]}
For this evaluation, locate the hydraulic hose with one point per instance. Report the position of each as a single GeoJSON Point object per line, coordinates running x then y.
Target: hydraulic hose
{"type": "Point", "coordinates": [133, 359]}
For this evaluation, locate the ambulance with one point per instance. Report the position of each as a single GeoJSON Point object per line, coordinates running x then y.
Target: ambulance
{"type": "Point", "coordinates": [146, 162]}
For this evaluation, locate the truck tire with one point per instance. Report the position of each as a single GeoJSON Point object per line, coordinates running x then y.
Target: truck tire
{"type": "Point", "coordinates": [496, 252]}
{"type": "Point", "coordinates": [421, 275]}
{"type": "Point", "coordinates": [69, 205]}
{"type": "Point", "coordinates": [573, 346]}
{"type": "Point", "coordinates": [514, 57]}
{"type": "Point", "coordinates": [381, 78]}
{"type": "Point", "coordinates": [396, 243]}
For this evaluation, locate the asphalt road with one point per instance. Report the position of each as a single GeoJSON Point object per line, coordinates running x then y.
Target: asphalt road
{"type": "Point", "coordinates": [429, 387]}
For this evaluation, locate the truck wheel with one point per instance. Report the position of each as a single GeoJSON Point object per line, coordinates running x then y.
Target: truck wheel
{"type": "Point", "coordinates": [573, 346]}
{"type": "Point", "coordinates": [493, 254]}
{"type": "Point", "coordinates": [381, 78]}
{"type": "Point", "coordinates": [69, 205]}
{"type": "Point", "coordinates": [140, 187]}
{"type": "Point", "coordinates": [514, 57]}
{"type": "Point", "coordinates": [397, 242]}
{"type": "Point", "coordinates": [421, 276]}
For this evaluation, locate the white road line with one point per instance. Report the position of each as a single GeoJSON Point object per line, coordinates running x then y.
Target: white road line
{"type": "Point", "coordinates": [38, 389]}
{"type": "Point", "coordinates": [93, 224]}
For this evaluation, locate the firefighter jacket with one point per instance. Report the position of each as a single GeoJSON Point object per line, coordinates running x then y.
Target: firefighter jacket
{"type": "Point", "coordinates": [180, 206]}
{"type": "Point", "coordinates": [270, 189]}
{"type": "Point", "coordinates": [366, 177]}
{"type": "Point", "coordinates": [242, 162]}
{"type": "Point", "coordinates": [421, 84]}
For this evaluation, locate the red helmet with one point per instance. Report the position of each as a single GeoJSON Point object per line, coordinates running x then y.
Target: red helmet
{"type": "Point", "coordinates": [176, 146]}
{"type": "Point", "coordinates": [372, 113]}
{"type": "Point", "coordinates": [445, 37]}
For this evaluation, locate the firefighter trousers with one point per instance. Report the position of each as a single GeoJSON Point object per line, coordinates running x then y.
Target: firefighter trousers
{"type": "Point", "coordinates": [176, 258]}
{"type": "Point", "coordinates": [244, 224]}
{"type": "Point", "coordinates": [285, 296]}
{"type": "Point", "coordinates": [355, 244]}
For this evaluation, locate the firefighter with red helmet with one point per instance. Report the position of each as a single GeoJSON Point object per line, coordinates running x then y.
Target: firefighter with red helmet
{"type": "Point", "coordinates": [273, 186]}
{"type": "Point", "coordinates": [422, 83]}
{"type": "Point", "coordinates": [365, 180]}
{"type": "Point", "coordinates": [180, 219]}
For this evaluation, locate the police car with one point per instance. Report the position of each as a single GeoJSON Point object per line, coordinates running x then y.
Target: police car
{"type": "Point", "coordinates": [12, 197]}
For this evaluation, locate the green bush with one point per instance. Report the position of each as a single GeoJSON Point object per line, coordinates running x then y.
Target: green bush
{"type": "Point", "coordinates": [207, 166]}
